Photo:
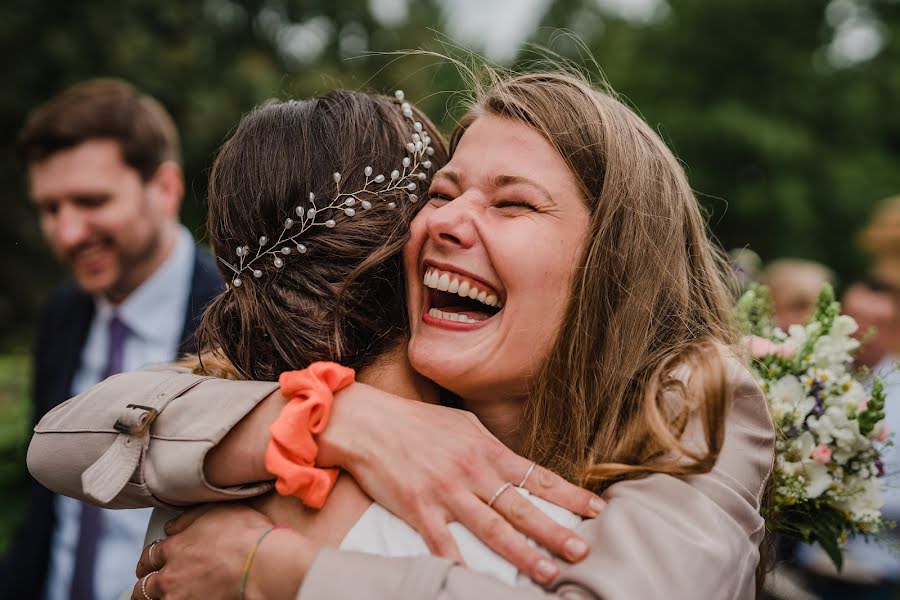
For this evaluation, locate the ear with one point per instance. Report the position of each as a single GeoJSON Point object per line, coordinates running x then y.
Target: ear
{"type": "Point", "coordinates": [168, 187]}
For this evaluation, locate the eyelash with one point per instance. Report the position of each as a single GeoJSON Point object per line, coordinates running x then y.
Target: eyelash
{"type": "Point", "coordinates": [515, 204]}
{"type": "Point", "coordinates": [500, 204]}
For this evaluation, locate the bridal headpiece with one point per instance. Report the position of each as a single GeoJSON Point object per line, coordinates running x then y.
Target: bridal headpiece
{"type": "Point", "coordinates": [320, 212]}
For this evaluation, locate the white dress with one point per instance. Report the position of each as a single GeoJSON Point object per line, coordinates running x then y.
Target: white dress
{"type": "Point", "coordinates": [378, 531]}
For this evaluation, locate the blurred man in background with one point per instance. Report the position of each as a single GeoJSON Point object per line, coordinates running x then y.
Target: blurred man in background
{"type": "Point", "coordinates": [104, 176]}
{"type": "Point", "coordinates": [873, 304]}
{"type": "Point", "coordinates": [794, 285]}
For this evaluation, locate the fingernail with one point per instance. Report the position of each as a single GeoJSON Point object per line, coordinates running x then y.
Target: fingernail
{"type": "Point", "coordinates": [546, 570]}
{"type": "Point", "coordinates": [169, 526]}
{"type": "Point", "coordinates": [575, 548]}
{"type": "Point", "coordinates": [596, 505]}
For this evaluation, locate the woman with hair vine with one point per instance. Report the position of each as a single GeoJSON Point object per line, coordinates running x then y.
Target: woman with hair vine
{"type": "Point", "coordinates": [594, 344]}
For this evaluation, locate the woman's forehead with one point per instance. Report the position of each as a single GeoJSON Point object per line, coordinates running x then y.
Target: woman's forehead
{"type": "Point", "coordinates": [497, 148]}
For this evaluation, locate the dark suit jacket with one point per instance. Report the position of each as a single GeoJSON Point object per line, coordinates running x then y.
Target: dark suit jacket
{"type": "Point", "coordinates": [62, 332]}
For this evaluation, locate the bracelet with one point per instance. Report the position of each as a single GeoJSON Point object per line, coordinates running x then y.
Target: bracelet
{"type": "Point", "coordinates": [252, 554]}
{"type": "Point", "coordinates": [291, 452]}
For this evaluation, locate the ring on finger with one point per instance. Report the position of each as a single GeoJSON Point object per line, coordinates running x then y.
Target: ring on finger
{"type": "Point", "coordinates": [527, 475]}
{"type": "Point", "coordinates": [150, 553]}
{"type": "Point", "coordinates": [144, 584]}
{"type": "Point", "coordinates": [499, 491]}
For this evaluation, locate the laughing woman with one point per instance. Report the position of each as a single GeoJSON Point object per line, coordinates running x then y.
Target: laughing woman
{"type": "Point", "coordinates": [595, 345]}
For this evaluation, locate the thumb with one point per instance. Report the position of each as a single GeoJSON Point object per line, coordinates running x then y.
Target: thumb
{"type": "Point", "coordinates": [186, 519]}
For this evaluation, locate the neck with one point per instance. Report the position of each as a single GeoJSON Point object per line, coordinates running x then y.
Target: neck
{"type": "Point", "coordinates": [392, 373]}
{"type": "Point", "coordinates": [501, 418]}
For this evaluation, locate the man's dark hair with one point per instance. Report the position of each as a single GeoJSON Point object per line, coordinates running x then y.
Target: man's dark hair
{"type": "Point", "coordinates": [102, 109]}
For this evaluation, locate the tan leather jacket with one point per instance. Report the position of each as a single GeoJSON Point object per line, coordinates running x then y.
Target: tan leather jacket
{"type": "Point", "coordinates": [659, 537]}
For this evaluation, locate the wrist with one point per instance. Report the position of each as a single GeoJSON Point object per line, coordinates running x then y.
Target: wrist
{"type": "Point", "coordinates": [342, 443]}
{"type": "Point", "coordinates": [280, 565]}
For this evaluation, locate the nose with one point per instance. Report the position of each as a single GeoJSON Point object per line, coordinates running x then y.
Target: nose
{"type": "Point", "coordinates": [451, 225]}
{"type": "Point", "coordinates": [69, 229]}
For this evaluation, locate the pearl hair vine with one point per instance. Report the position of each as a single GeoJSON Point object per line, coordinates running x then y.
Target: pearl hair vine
{"type": "Point", "coordinates": [412, 170]}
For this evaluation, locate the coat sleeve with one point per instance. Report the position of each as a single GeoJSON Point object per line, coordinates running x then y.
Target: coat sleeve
{"type": "Point", "coordinates": [659, 537]}
{"type": "Point", "coordinates": [140, 438]}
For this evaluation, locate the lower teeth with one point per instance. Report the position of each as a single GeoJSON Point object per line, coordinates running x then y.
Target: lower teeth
{"type": "Point", "coordinates": [448, 316]}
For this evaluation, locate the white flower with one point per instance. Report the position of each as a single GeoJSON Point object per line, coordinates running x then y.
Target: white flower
{"type": "Point", "coordinates": [797, 462]}
{"type": "Point", "coordinates": [835, 429]}
{"type": "Point", "coordinates": [818, 479]}
{"type": "Point", "coordinates": [787, 396]}
{"type": "Point", "coordinates": [797, 335]}
{"type": "Point", "coordinates": [834, 349]}
{"type": "Point", "coordinates": [863, 504]}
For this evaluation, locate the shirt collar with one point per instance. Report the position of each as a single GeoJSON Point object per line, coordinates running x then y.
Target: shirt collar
{"type": "Point", "coordinates": [160, 298]}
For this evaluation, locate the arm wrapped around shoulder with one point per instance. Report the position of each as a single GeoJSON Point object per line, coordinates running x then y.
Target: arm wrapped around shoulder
{"type": "Point", "coordinates": [140, 439]}
{"type": "Point", "coordinates": [660, 536]}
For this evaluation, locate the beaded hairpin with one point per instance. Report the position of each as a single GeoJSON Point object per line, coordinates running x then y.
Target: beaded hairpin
{"type": "Point", "coordinates": [412, 170]}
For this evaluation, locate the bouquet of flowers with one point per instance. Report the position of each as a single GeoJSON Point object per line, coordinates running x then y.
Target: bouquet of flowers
{"type": "Point", "coordinates": [831, 430]}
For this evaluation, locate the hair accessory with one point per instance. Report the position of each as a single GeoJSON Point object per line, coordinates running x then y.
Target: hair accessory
{"type": "Point", "coordinates": [406, 177]}
{"type": "Point", "coordinates": [292, 450]}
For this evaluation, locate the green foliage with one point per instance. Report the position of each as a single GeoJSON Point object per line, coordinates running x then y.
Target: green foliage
{"type": "Point", "coordinates": [827, 308]}
{"type": "Point", "coordinates": [753, 313]}
{"type": "Point", "coordinates": [874, 412]}
{"type": "Point", "coordinates": [14, 422]}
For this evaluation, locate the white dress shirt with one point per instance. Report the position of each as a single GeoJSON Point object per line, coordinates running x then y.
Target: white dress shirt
{"type": "Point", "coordinates": [154, 315]}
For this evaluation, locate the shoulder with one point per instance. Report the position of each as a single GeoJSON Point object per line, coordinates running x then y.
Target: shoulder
{"type": "Point", "coordinates": [63, 301]}
{"type": "Point", "coordinates": [66, 312]}
{"type": "Point", "coordinates": [747, 456]}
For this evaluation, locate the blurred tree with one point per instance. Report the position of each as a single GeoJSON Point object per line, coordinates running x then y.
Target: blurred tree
{"type": "Point", "coordinates": [783, 112]}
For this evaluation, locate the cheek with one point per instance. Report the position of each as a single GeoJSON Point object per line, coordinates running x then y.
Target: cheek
{"type": "Point", "coordinates": [413, 249]}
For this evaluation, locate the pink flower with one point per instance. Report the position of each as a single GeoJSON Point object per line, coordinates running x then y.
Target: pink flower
{"type": "Point", "coordinates": [761, 347]}
{"type": "Point", "coordinates": [883, 434]}
{"type": "Point", "coordinates": [786, 350]}
{"type": "Point", "coordinates": [821, 454]}
{"type": "Point", "coordinates": [863, 404]}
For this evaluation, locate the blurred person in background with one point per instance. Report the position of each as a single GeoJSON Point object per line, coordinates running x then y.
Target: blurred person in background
{"type": "Point", "coordinates": [873, 304]}
{"type": "Point", "coordinates": [104, 175]}
{"type": "Point", "coordinates": [794, 285]}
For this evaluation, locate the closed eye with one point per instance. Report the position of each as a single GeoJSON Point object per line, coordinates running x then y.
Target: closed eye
{"type": "Point", "coordinates": [439, 197]}
{"type": "Point", "coordinates": [515, 204]}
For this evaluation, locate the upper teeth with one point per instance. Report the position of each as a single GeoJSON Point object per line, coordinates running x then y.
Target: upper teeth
{"type": "Point", "coordinates": [457, 284]}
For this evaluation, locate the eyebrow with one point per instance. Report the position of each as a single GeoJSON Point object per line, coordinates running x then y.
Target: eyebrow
{"type": "Point", "coordinates": [505, 180]}
{"type": "Point", "coordinates": [499, 181]}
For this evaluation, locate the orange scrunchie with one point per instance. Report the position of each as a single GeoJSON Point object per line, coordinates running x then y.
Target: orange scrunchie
{"type": "Point", "coordinates": [291, 453]}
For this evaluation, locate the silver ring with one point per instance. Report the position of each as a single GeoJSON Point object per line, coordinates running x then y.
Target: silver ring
{"type": "Point", "coordinates": [527, 475]}
{"type": "Point", "coordinates": [150, 551]}
{"type": "Point", "coordinates": [496, 495]}
{"type": "Point", "coordinates": [144, 584]}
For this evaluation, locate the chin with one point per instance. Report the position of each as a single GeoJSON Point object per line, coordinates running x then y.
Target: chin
{"type": "Point", "coordinates": [100, 284]}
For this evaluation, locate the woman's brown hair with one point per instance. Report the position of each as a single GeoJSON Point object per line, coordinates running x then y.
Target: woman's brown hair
{"type": "Point", "coordinates": [635, 383]}
{"type": "Point", "coordinates": [344, 299]}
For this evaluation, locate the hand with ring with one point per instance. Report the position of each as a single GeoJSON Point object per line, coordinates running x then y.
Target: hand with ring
{"type": "Point", "coordinates": [458, 472]}
{"type": "Point", "coordinates": [206, 554]}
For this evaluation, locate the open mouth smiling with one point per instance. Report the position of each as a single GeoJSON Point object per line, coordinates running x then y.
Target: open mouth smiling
{"type": "Point", "coordinates": [458, 301]}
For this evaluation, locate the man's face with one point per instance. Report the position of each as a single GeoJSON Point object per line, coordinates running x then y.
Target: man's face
{"type": "Point", "coordinates": [100, 218]}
